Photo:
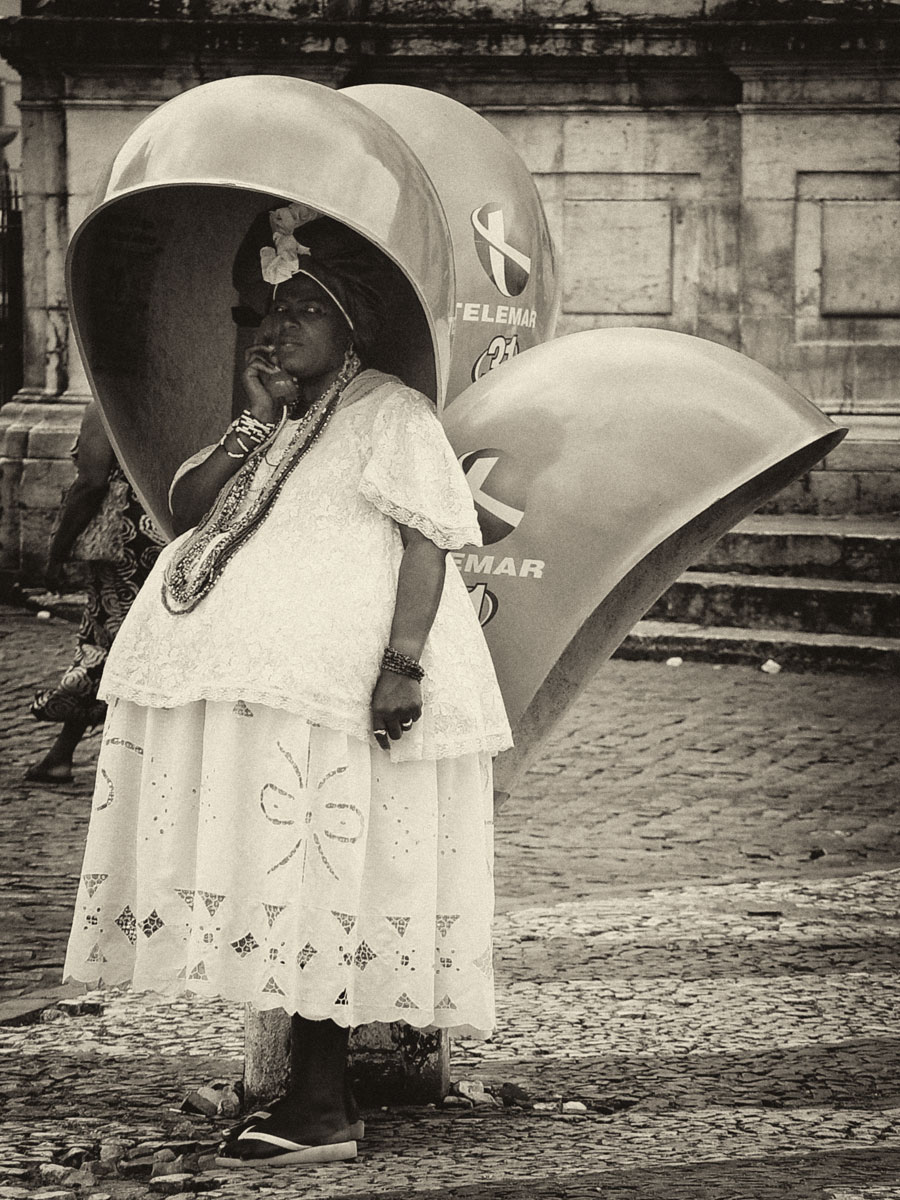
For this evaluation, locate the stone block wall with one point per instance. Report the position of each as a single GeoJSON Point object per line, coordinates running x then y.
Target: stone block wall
{"type": "Point", "coordinates": [10, 90]}
{"type": "Point", "coordinates": [35, 471]}
{"type": "Point", "coordinates": [643, 205]}
{"type": "Point", "coordinates": [726, 169]}
{"type": "Point", "coordinates": [821, 263]}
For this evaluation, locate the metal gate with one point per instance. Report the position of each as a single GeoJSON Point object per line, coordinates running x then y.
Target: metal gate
{"type": "Point", "coordinates": [11, 287]}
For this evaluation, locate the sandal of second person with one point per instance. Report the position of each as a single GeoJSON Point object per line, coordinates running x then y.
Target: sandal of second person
{"type": "Point", "coordinates": [39, 773]}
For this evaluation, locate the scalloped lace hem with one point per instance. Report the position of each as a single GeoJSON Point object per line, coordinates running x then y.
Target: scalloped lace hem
{"type": "Point", "coordinates": [445, 538]}
{"type": "Point", "coordinates": [430, 747]}
{"type": "Point", "coordinates": [421, 1019]}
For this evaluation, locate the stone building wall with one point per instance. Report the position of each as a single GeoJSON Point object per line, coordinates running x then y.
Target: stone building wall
{"type": "Point", "coordinates": [726, 169]}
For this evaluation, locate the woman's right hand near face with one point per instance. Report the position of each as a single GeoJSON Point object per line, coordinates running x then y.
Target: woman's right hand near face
{"type": "Point", "coordinates": [260, 366]}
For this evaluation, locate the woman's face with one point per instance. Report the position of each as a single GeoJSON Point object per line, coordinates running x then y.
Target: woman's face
{"type": "Point", "coordinates": [307, 329]}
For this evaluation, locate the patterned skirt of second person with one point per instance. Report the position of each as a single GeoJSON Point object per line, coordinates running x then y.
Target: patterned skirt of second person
{"type": "Point", "coordinates": [235, 850]}
{"type": "Point", "coordinates": [111, 590]}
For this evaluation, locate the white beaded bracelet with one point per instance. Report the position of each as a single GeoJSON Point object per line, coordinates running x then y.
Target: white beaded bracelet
{"type": "Point", "coordinates": [246, 426]}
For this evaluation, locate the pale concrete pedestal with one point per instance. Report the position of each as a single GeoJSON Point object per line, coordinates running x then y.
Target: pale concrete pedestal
{"type": "Point", "coordinates": [267, 1055]}
{"type": "Point", "coordinates": [396, 1064]}
{"type": "Point", "coordinates": [389, 1064]}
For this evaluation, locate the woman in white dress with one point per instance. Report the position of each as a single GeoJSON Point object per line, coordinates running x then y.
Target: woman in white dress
{"type": "Point", "coordinates": [294, 802]}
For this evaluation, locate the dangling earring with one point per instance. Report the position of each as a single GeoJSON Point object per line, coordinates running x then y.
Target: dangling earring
{"type": "Point", "coordinates": [351, 363]}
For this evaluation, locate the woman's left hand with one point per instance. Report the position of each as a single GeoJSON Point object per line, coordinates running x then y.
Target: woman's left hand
{"type": "Point", "coordinates": [396, 703]}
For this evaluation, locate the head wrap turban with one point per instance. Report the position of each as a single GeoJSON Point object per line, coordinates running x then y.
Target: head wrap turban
{"type": "Point", "coordinates": [357, 275]}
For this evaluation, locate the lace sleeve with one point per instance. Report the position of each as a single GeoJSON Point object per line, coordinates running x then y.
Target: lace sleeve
{"type": "Point", "coordinates": [413, 477]}
{"type": "Point", "coordinates": [188, 465]}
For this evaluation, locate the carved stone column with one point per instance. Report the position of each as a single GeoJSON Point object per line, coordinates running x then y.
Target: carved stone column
{"type": "Point", "coordinates": [36, 432]}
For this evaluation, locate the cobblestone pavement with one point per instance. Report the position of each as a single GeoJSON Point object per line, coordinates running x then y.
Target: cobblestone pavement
{"type": "Point", "coordinates": [698, 941]}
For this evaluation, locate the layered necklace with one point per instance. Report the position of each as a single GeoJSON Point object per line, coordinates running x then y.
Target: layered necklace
{"type": "Point", "coordinates": [198, 563]}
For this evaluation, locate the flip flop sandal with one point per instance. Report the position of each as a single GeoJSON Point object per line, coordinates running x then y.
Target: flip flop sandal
{"type": "Point", "coordinates": [285, 1153]}
{"type": "Point", "coordinates": [245, 1123]}
{"type": "Point", "coordinates": [355, 1130]}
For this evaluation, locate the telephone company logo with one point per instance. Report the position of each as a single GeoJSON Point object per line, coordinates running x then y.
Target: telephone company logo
{"type": "Point", "coordinates": [508, 266]}
{"type": "Point", "coordinates": [496, 484]}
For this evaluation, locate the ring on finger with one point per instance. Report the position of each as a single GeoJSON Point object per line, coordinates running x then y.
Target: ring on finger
{"type": "Point", "coordinates": [380, 732]}
{"type": "Point", "coordinates": [406, 725]}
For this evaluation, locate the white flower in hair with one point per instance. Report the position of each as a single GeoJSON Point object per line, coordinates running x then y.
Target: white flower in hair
{"type": "Point", "coordinates": [282, 261]}
{"type": "Point", "coordinates": [291, 217]}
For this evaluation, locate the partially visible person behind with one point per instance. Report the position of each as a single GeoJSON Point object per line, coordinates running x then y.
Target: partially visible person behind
{"type": "Point", "coordinates": [100, 492]}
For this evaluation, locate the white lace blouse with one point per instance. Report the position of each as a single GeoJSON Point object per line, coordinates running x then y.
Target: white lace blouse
{"type": "Point", "coordinates": [300, 616]}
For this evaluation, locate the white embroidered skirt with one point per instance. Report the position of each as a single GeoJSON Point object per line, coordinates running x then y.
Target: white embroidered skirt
{"type": "Point", "coordinates": [237, 851]}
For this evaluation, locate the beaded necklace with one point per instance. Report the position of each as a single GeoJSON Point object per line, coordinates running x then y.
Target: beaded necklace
{"type": "Point", "coordinates": [194, 569]}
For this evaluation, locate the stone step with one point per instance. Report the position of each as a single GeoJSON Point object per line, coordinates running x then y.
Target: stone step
{"type": "Point", "coordinates": [794, 650]}
{"type": "Point", "coordinates": [859, 609]}
{"type": "Point", "coordinates": [858, 548]}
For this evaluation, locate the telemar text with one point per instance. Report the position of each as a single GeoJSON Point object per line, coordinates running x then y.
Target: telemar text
{"type": "Point", "coordinates": [497, 314]}
{"type": "Point", "coordinates": [490, 564]}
